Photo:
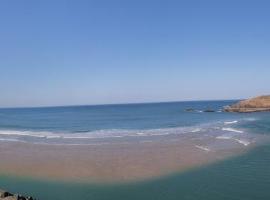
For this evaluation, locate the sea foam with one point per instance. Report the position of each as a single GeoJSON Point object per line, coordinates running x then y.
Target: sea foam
{"type": "Point", "coordinates": [240, 141]}
{"type": "Point", "coordinates": [232, 130]}
{"type": "Point", "coordinates": [231, 122]}
{"type": "Point", "coordinates": [202, 148]}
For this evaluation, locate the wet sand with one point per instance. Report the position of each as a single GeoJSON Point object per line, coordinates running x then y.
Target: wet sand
{"type": "Point", "coordinates": [115, 161]}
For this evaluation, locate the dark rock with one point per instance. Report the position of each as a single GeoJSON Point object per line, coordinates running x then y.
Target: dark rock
{"type": "Point", "coordinates": [209, 110]}
{"type": "Point", "coordinates": [4, 194]}
{"type": "Point", "coordinates": [8, 196]}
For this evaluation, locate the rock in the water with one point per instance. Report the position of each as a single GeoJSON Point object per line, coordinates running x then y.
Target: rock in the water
{"type": "Point", "coordinates": [4, 194]}
{"type": "Point", "coordinates": [208, 110]}
{"type": "Point", "coordinates": [257, 104]}
{"type": "Point", "coordinates": [8, 196]}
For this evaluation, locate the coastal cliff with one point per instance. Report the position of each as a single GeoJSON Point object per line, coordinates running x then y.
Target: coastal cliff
{"type": "Point", "coordinates": [4, 195]}
{"type": "Point", "coordinates": [257, 104]}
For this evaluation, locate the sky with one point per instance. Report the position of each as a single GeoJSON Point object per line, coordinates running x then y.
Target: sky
{"type": "Point", "coordinates": [130, 51]}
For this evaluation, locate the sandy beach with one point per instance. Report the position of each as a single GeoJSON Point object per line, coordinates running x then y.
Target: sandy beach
{"type": "Point", "coordinates": [114, 161]}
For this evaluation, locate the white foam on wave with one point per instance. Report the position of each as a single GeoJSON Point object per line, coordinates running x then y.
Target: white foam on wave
{"type": "Point", "coordinates": [224, 137]}
{"type": "Point", "coordinates": [231, 122]}
{"type": "Point", "coordinates": [28, 135]}
{"type": "Point", "coordinates": [240, 141]}
{"type": "Point", "coordinates": [21, 133]}
{"type": "Point", "coordinates": [75, 137]}
{"type": "Point", "coordinates": [196, 130]}
{"type": "Point", "coordinates": [232, 130]}
{"type": "Point", "coordinates": [99, 134]}
{"type": "Point", "coordinates": [9, 140]}
{"type": "Point", "coordinates": [202, 148]}
{"type": "Point", "coordinates": [53, 136]}
{"type": "Point", "coordinates": [82, 137]}
{"type": "Point", "coordinates": [244, 142]}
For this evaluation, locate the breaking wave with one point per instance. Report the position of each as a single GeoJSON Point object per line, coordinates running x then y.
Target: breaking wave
{"type": "Point", "coordinates": [232, 130]}
{"type": "Point", "coordinates": [244, 142]}
{"type": "Point", "coordinates": [219, 130]}
{"type": "Point", "coordinates": [112, 133]}
{"type": "Point", "coordinates": [231, 122]}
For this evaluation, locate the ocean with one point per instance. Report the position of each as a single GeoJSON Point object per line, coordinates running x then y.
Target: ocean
{"type": "Point", "coordinates": [81, 124]}
{"type": "Point", "coordinates": [243, 177]}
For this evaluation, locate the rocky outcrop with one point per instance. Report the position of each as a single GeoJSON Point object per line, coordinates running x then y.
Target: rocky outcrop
{"type": "Point", "coordinates": [209, 110]}
{"type": "Point", "coordinates": [257, 104]}
{"type": "Point", "coordinates": [193, 110]}
{"type": "Point", "coordinates": [4, 195]}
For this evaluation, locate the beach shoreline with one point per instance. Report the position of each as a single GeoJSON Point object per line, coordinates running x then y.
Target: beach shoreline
{"type": "Point", "coordinates": [118, 161]}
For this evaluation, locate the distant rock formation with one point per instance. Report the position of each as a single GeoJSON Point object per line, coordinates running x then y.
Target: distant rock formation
{"type": "Point", "coordinates": [257, 104]}
{"type": "Point", "coordinates": [193, 110]}
{"type": "Point", "coordinates": [4, 195]}
{"type": "Point", "coordinates": [209, 110]}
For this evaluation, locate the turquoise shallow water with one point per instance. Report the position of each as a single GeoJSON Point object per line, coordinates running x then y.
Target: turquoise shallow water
{"type": "Point", "coordinates": [246, 177]}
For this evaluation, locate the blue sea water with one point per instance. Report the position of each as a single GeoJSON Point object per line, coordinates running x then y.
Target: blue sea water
{"type": "Point", "coordinates": [73, 124]}
{"type": "Point", "coordinates": [100, 117]}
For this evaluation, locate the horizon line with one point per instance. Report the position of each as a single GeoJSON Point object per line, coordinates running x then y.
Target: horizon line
{"type": "Point", "coordinates": [113, 104]}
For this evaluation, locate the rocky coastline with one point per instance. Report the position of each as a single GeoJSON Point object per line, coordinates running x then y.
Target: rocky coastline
{"type": "Point", "coordinates": [4, 195]}
{"type": "Point", "coordinates": [257, 104]}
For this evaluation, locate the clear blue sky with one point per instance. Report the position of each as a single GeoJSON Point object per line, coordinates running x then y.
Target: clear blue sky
{"type": "Point", "coordinates": [96, 52]}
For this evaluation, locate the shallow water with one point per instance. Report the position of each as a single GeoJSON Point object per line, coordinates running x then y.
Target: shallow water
{"type": "Point", "coordinates": [246, 177]}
